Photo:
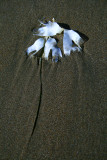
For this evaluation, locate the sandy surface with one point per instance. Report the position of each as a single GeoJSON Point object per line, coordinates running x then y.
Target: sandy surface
{"type": "Point", "coordinates": [52, 111]}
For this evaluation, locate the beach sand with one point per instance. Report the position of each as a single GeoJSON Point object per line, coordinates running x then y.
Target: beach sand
{"type": "Point", "coordinates": [52, 111]}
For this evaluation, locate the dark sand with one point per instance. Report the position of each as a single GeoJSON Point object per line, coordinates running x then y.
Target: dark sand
{"type": "Point", "coordinates": [52, 111]}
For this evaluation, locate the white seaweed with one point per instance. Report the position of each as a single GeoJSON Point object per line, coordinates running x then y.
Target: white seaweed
{"type": "Point", "coordinates": [74, 36]}
{"type": "Point", "coordinates": [52, 28]}
{"type": "Point", "coordinates": [49, 29]}
{"type": "Point", "coordinates": [68, 38]}
{"type": "Point", "coordinates": [51, 44]}
{"type": "Point", "coordinates": [39, 43]}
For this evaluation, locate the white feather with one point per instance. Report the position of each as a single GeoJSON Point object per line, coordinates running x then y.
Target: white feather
{"type": "Point", "coordinates": [49, 29]}
{"type": "Point", "coordinates": [36, 46]}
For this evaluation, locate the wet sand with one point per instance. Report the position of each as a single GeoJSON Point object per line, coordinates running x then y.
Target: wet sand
{"type": "Point", "coordinates": [52, 111]}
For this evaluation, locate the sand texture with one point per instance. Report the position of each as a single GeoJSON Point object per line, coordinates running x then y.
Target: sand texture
{"type": "Point", "coordinates": [52, 111]}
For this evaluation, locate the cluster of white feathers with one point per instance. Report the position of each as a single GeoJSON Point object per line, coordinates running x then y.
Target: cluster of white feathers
{"type": "Point", "coordinates": [50, 29]}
